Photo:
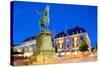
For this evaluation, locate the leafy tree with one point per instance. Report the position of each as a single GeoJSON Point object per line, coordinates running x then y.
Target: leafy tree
{"type": "Point", "coordinates": [83, 46]}
{"type": "Point", "coordinates": [94, 49]}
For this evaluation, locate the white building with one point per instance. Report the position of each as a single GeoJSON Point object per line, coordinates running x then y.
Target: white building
{"type": "Point", "coordinates": [27, 47]}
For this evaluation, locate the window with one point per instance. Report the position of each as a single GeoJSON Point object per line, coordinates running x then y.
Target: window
{"type": "Point", "coordinates": [67, 40]}
{"type": "Point", "coordinates": [80, 31]}
{"type": "Point", "coordinates": [82, 37]}
{"type": "Point", "coordinates": [34, 41]}
{"type": "Point", "coordinates": [73, 45]}
{"type": "Point", "coordinates": [73, 32]}
{"type": "Point", "coordinates": [67, 34]}
{"type": "Point", "coordinates": [67, 46]}
{"type": "Point", "coordinates": [77, 32]}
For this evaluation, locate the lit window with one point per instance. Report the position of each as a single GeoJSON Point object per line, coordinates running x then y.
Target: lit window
{"type": "Point", "coordinates": [67, 40]}
{"type": "Point", "coordinates": [34, 41]}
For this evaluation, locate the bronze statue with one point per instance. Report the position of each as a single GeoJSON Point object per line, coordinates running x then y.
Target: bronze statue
{"type": "Point", "coordinates": [44, 21]}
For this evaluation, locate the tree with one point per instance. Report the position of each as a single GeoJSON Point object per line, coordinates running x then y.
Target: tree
{"type": "Point", "coordinates": [96, 47]}
{"type": "Point", "coordinates": [83, 46]}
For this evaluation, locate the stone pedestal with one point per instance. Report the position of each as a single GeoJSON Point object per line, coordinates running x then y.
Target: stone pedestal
{"type": "Point", "coordinates": [45, 48]}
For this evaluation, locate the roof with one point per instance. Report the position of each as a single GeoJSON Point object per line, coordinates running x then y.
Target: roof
{"type": "Point", "coordinates": [72, 31]}
{"type": "Point", "coordinates": [30, 38]}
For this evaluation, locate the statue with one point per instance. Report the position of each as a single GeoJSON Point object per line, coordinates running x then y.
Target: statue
{"type": "Point", "coordinates": [44, 46]}
{"type": "Point", "coordinates": [44, 21]}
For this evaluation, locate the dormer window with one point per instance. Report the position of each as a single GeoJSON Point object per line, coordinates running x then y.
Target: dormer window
{"type": "Point", "coordinates": [73, 32]}
{"type": "Point", "coordinates": [81, 31]}
{"type": "Point", "coordinates": [59, 35]}
{"type": "Point", "coordinates": [77, 32]}
{"type": "Point", "coordinates": [67, 34]}
{"type": "Point", "coordinates": [62, 35]}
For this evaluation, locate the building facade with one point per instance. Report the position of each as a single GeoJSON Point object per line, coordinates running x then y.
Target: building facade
{"type": "Point", "coordinates": [69, 41]}
{"type": "Point", "coordinates": [65, 42]}
{"type": "Point", "coordinates": [26, 47]}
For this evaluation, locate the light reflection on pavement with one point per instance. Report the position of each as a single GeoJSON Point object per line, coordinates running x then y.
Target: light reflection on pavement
{"type": "Point", "coordinates": [82, 59]}
{"type": "Point", "coordinates": [61, 60]}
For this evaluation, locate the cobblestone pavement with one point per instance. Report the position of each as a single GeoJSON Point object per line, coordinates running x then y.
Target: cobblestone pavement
{"type": "Point", "coordinates": [60, 60]}
{"type": "Point", "coordinates": [82, 59]}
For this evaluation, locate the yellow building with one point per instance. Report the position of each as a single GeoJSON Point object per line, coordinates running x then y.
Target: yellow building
{"type": "Point", "coordinates": [68, 42]}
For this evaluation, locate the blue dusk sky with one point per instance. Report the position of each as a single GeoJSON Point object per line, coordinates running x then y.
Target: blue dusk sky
{"type": "Point", "coordinates": [26, 17]}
